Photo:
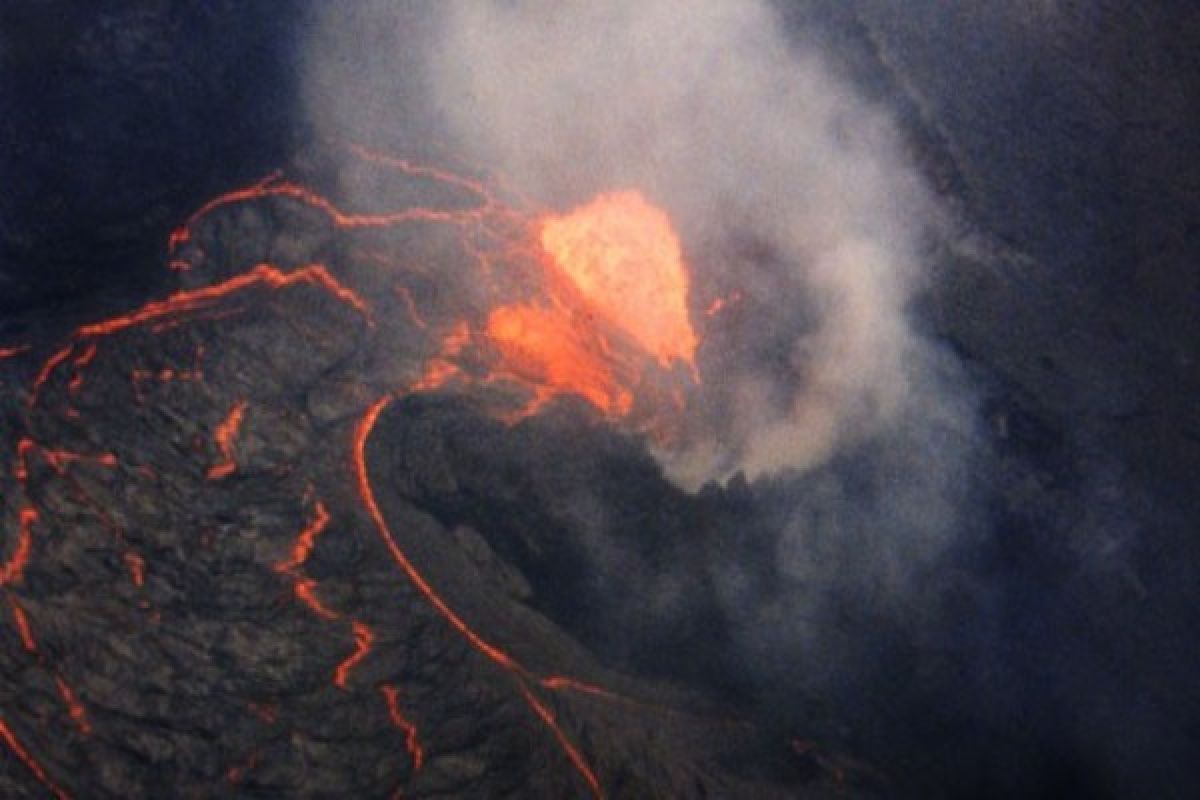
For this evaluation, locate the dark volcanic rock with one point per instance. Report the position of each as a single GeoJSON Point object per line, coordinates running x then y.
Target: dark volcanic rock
{"type": "Point", "coordinates": [202, 604]}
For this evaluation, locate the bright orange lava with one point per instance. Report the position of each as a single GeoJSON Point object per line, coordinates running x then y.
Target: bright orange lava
{"type": "Point", "coordinates": [556, 354]}
{"type": "Point", "coordinates": [625, 258]}
{"type": "Point", "coordinates": [74, 708]}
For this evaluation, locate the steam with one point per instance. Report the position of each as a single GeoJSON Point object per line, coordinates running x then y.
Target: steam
{"type": "Point", "coordinates": [788, 189]}
{"type": "Point", "coordinates": [785, 186]}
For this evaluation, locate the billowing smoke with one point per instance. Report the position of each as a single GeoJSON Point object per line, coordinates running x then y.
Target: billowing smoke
{"type": "Point", "coordinates": [799, 210]}
{"type": "Point", "coordinates": [790, 192]}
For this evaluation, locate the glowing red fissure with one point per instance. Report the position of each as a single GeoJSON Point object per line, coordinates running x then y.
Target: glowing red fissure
{"type": "Point", "coordinates": [362, 433]}
{"type": "Point", "coordinates": [224, 436]}
{"type": "Point", "coordinates": [412, 742]}
{"type": "Point", "coordinates": [30, 762]}
{"type": "Point", "coordinates": [199, 300]}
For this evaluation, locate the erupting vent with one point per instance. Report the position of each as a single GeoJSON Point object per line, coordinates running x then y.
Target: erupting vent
{"type": "Point", "coordinates": [592, 302]}
{"type": "Point", "coordinates": [623, 255]}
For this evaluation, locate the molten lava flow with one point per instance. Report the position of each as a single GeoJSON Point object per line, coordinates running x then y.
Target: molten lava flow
{"type": "Point", "coordinates": [199, 302]}
{"type": "Point", "coordinates": [411, 742]}
{"type": "Point", "coordinates": [406, 296]}
{"type": "Point", "coordinates": [560, 683]}
{"type": "Point", "coordinates": [14, 568]}
{"type": "Point", "coordinates": [12, 352]}
{"type": "Point", "coordinates": [21, 620]}
{"type": "Point", "coordinates": [599, 297]}
{"type": "Point", "coordinates": [137, 568]}
{"type": "Point", "coordinates": [367, 494]}
{"type": "Point", "coordinates": [224, 436]}
{"type": "Point", "coordinates": [303, 587]}
{"type": "Point", "coordinates": [723, 302]}
{"type": "Point", "coordinates": [555, 354]}
{"type": "Point", "coordinates": [74, 708]}
{"type": "Point", "coordinates": [30, 762]}
{"type": "Point", "coordinates": [364, 638]}
{"type": "Point", "coordinates": [624, 257]}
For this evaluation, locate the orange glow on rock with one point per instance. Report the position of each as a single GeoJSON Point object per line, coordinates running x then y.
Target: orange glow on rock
{"type": "Point", "coordinates": [502, 659]}
{"type": "Point", "coordinates": [29, 761]}
{"type": "Point", "coordinates": [21, 620]}
{"type": "Point", "coordinates": [14, 568]}
{"type": "Point", "coordinates": [625, 258]}
{"type": "Point", "coordinates": [304, 587]}
{"type": "Point", "coordinates": [411, 741]}
{"type": "Point", "coordinates": [137, 569]}
{"type": "Point", "coordinates": [224, 436]}
{"type": "Point", "coordinates": [364, 639]}
{"type": "Point", "coordinates": [556, 354]}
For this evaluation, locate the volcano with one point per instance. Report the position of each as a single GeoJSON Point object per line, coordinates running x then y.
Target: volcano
{"type": "Point", "coordinates": [638, 399]}
{"type": "Point", "coordinates": [217, 490]}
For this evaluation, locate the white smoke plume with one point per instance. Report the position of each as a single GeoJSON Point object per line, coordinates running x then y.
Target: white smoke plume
{"type": "Point", "coordinates": [785, 186]}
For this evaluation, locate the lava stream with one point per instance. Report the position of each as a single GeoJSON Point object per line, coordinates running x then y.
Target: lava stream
{"type": "Point", "coordinates": [21, 620]}
{"type": "Point", "coordinates": [198, 301]}
{"type": "Point", "coordinates": [412, 743]}
{"type": "Point", "coordinates": [30, 762]}
{"type": "Point", "coordinates": [623, 255]}
{"type": "Point", "coordinates": [304, 587]}
{"type": "Point", "coordinates": [224, 436]}
{"type": "Point", "coordinates": [367, 494]}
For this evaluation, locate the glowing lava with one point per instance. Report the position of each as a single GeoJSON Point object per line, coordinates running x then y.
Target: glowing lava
{"type": "Point", "coordinates": [602, 304]}
{"type": "Point", "coordinates": [224, 436]}
{"type": "Point", "coordinates": [411, 742]}
{"type": "Point", "coordinates": [554, 353]}
{"type": "Point", "coordinates": [625, 258]}
{"type": "Point", "coordinates": [12, 352]}
{"type": "Point", "coordinates": [502, 659]}
{"type": "Point", "coordinates": [30, 762]}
